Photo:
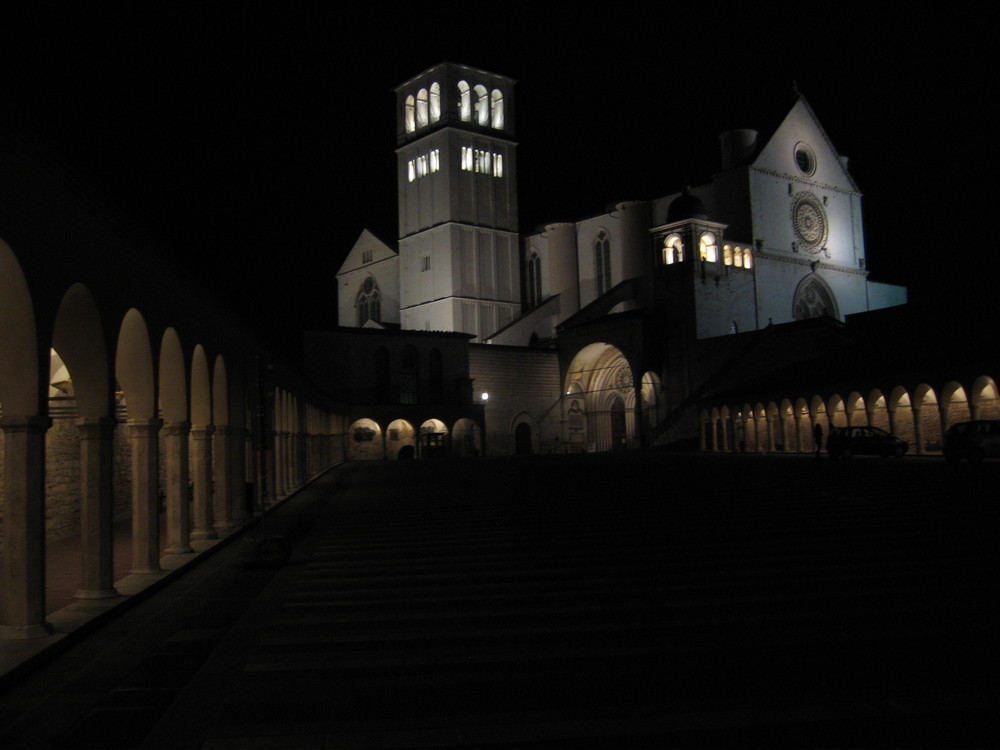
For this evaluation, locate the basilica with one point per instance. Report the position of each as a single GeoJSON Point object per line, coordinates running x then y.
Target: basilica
{"type": "Point", "coordinates": [588, 334]}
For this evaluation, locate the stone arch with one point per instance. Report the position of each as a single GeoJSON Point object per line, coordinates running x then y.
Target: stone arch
{"type": "Point", "coordinates": [652, 399]}
{"type": "Point", "coordinates": [813, 299]}
{"type": "Point", "coordinates": [433, 440]}
{"type": "Point", "coordinates": [878, 415]}
{"type": "Point", "coordinates": [836, 411]}
{"type": "Point", "coordinates": [400, 435]}
{"type": "Point", "coordinates": [365, 440]}
{"type": "Point", "coordinates": [901, 411]}
{"type": "Point", "coordinates": [136, 377]}
{"type": "Point", "coordinates": [954, 405]}
{"type": "Point", "coordinates": [466, 438]}
{"type": "Point", "coordinates": [789, 430]}
{"type": "Point", "coordinates": [134, 367]}
{"type": "Point", "coordinates": [774, 428]}
{"type": "Point", "coordinates": [19, 365]}
{"type": "Point", "coordinates": [985, 398]}
{"type": "Point", "coordinates": [803, 426]}
{"type": "Point", "coordinates": [78, 336]}
{"type": "Point", "coordinates": [524, 432]}
{"type": "Point", "coordinates": [927, 407]}
{"type": "Point", "coordinates": [854, 408]}
{"type": "Point", "coordinates": [598, 373]}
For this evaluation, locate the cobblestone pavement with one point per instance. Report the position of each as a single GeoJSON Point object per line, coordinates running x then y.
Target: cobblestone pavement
{"type": "Point", "coordinates": [633, 600]}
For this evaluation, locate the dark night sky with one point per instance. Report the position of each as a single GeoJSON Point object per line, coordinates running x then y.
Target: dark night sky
{"type": "Point", "coordinates": [260, 146]}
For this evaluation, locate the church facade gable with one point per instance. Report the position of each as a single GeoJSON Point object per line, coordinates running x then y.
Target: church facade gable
{"type": "Point", "coordinates": [368, 284]}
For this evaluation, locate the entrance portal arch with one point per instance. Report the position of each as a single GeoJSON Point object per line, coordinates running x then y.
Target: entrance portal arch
{"type": "Point", "coordinates": [598, 406]}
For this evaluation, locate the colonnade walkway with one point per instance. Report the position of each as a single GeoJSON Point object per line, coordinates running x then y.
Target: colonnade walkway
{"type": "Point", "coordinates": [621, 601]}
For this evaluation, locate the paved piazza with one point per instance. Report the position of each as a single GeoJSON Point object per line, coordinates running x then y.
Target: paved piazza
{"type": "Point", "coordinates": [633, 600]}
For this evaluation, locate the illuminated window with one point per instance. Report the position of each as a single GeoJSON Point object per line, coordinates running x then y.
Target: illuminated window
{"type": "Point", "coordinates": [422, 98]}
{"type": "Point", "coordinates": [482, 161]}
{"type": "Point", "coordinates": [411, 170]}
{"type": "Point", "coordinates": [423, 165]}
{"type": "Point", "coordinates": [496, 109]}
{"type": "Point", "coordinates": [602, 262]}
{"type": "Point", "coordinates": [747, 259]}
{"type": "Point", "coordinates": [482, 104]}
{"type": "Point", "coordinates": [466, 158]}
{"type": "Point", "coordinates": [673, 250]}
{"type": "Point", "coordinates": [409, 114]}
{"type": "Point", "coordinates": [534, 280]}
{"type": "Point", "coordinates": [727, 255]}
{"type": "Point", "coordinates": [464, 102]}
{"type": "Point", "coordinates": [435, 102]}
{"type": "Point", "coordinates": [435, 160]}
{"type": "Point", "coordinates": [498, 165]}
{"type": "Point", "coordinates": [707, 248]}
{"type": "Point", "coordinates": [738, 258]}
{"type": "Point", "coordinates": [369, 302]}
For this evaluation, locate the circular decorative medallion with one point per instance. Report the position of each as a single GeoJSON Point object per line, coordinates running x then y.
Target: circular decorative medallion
{"type": "Point", "coordinates": [809, 221]}
{"type": "Point", "coordinates": [623, 378]}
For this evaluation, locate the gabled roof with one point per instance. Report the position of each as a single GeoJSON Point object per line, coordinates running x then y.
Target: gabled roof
{"type": "Point", "coordinates": [366, 242]}
{"type": "Point", "coordinates": [801, 126]}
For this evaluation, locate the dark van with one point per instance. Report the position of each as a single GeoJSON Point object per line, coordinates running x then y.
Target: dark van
{"type": "Point", "coordinates": [972, 441]}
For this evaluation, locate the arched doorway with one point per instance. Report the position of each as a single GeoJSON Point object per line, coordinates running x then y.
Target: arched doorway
{"type": "Point", "coordinates": [522, 439]}
{"type": "Point", "coordinates": [599, 388]}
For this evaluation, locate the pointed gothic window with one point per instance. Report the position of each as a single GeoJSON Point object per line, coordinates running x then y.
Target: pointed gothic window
{"type": "Point", "coordinates": [369, 302]}
{"type": "Point", "coordinates": [602, 262]}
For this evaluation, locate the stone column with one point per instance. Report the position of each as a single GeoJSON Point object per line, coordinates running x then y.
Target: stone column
{"type": "Point", "coordinates": [918, 430]}
{"type": "Point", "coordinates": [224, 493]}
{"type": "Point", "coordinates": [201, 478]}
{"type": "Point", "coordinates": [96, 509]}
{"type": "Point", "coordinates": [175, 443]}
{"type": "Point", "coordinates": [142, 435]}
{"type": "Point", "coordinates": [22, 584]}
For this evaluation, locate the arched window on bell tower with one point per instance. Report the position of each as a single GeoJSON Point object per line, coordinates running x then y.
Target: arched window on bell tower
{"type": "Point", "coordinates": [496, 109]}
{"type": "Point", "coordinates": [464, 101]}
{"type": "Point", "coordinates": [422, 106]}
{"type": "Point", "coordinates": [673, 250]}
{"type": "Point", "coordinates": [369, 302]}
{"type": "Point", "coordinates": [435, 101]}
{"type": "Point", "coordinates": [410, 114]}
{"type": "Point", "coordinates": [482, 104]}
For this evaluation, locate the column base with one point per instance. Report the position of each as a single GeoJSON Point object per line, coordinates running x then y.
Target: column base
{"type": "Point", "coordinates": [96, 594]}
{"type": "Point", "coordinates": [178, 550]}
{"type": "Point", "coordinates": [24, 632]}
{"type": "Point", "coordinates": [201, 535]}
{"type": "Point", "coordinates": [146, 571]}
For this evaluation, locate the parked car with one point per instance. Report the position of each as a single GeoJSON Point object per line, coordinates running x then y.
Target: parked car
{"type": "Point", "coordinates": [844, 442]}
{"type": "Point", "coordinates": [972, 441]}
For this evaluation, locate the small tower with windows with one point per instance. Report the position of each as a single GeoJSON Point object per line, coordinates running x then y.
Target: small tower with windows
{"type": "Point", "coordinates": [458, 223]}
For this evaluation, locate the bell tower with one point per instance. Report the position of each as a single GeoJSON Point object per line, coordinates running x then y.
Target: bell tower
{"type": "Point", "coordinates": [457, 181]}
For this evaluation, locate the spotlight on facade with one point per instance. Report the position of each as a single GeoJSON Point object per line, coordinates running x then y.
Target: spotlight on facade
{"type": "Point", "coordinates": [485, 397]}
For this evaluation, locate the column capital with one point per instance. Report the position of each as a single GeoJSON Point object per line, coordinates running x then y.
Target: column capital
{"type": "Point", "coordinates": [202, 431]}
{"type": "Point", "coordinates": [95, 428]}
{"type": "Point", "coordinates": [140, 428]}
{"type": "Point", "coordinates": [34, 423]}
{"type": "Point", "coordinates": [171, 429]}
